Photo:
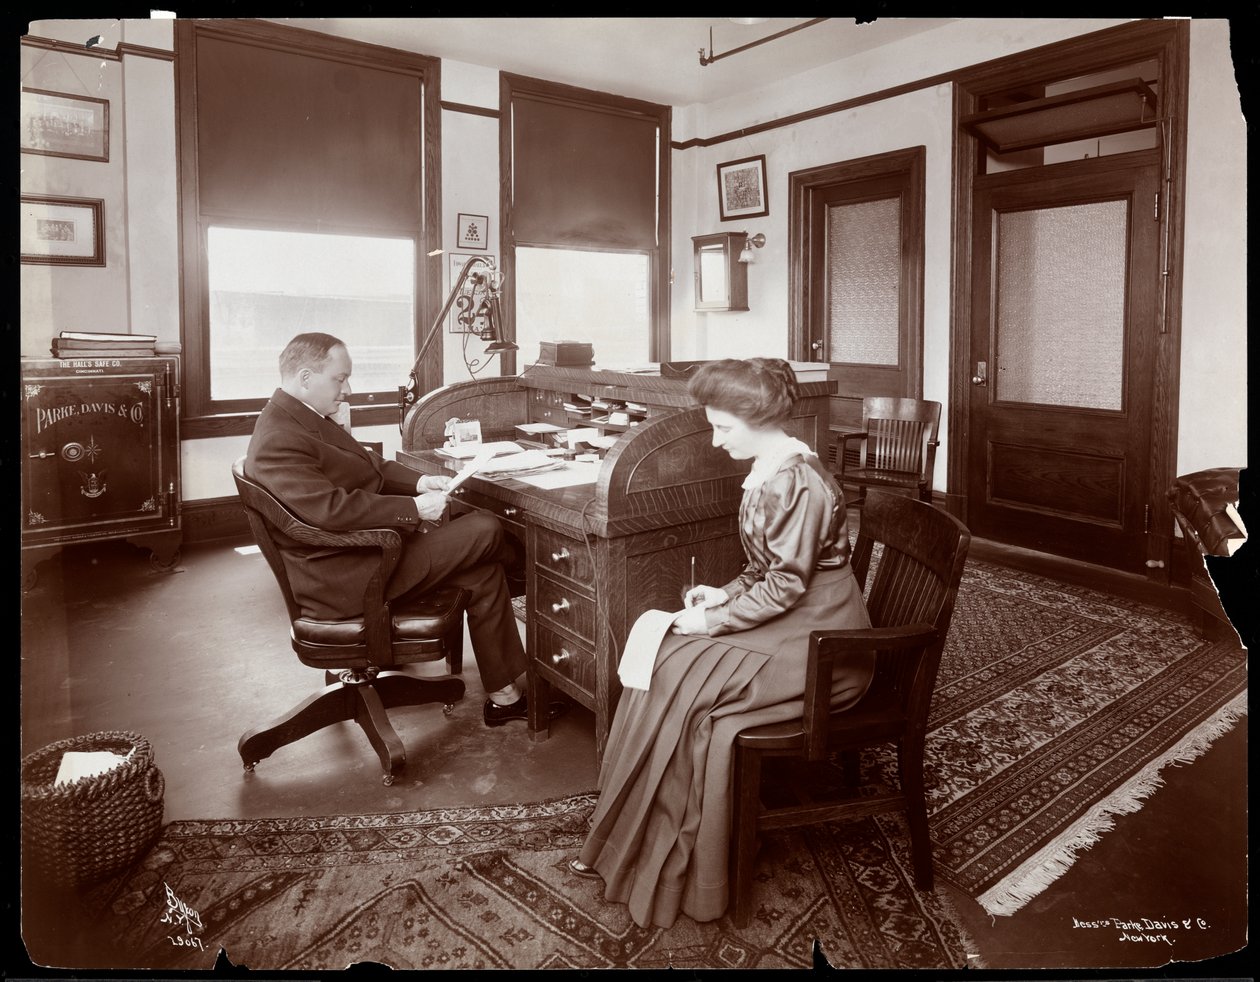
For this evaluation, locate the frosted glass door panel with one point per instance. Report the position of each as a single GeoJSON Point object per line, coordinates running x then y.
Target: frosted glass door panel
{"type": "Point", "coordinates": [864, 282]}
{"type": "Point", "coordinates": [1060, 306]}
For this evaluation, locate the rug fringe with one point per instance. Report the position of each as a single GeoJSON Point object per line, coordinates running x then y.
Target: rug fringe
{"type": "Point", "coordinates": [1014, 891]}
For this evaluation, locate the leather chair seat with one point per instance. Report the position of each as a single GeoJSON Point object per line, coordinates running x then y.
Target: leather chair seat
{"type": "Point", "coordinates": [415, 626]}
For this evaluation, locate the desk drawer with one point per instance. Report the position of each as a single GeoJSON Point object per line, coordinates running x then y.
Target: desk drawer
{"type": "Point", "coordinates": [563, 606]}
{"type": "Point", "coordinates": [513, 519]}
{"type": "Point", "coordinates": [561, 554]}
{"type": "Point", "coordinates": [566, 657]}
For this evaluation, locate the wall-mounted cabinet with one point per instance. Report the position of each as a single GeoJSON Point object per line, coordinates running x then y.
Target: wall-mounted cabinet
{"type": "Point", "coordinates": [721, 279]}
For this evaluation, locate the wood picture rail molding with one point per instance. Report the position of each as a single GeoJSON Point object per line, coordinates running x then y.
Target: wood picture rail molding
{"type": "Point", "coordinates": [106, 54]}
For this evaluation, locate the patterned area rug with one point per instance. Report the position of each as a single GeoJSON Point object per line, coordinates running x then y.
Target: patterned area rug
{"type": "Point", "coordinates": [1055, 710]}
{"type": "Point", "coordinates": [489, 888]}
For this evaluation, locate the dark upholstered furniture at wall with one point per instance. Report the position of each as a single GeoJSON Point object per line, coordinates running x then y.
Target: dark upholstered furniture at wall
{"type": "Point", "coordinates": [357, 654]}
{"type": "Point", "coordinates": [1199, 504]}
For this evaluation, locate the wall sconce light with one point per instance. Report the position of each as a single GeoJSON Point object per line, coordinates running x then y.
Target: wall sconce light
{"type": "Point", "coordinates": [746, 254]}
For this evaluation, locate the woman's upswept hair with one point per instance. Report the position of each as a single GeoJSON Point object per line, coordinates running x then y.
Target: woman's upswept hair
{"type": "Point", "coordinates": [759, 391]}
{"type": "Point", "coordinates": [307, 349]}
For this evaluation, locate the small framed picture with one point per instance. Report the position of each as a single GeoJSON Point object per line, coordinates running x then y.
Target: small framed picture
{"type": "Point", "coordinates": [742, 188]}
{"type": "Point", "coordinates": [60, 125]}
{"type": "Point", "coordinates": [473, 232]}
{"type": "Point", "coordinates": [62, 231]}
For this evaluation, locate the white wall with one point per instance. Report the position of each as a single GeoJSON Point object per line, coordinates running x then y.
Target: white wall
{"type": "Point", "coordinates": [1212, 425]}
{"type": "Point", "coordinates": [139, 287]}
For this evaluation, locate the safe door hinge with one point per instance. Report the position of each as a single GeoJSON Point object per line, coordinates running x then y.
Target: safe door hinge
{"type": "Point", "coordinates": [1157, 206]}
{"type": "Point", "coordinates": [1146, 528]}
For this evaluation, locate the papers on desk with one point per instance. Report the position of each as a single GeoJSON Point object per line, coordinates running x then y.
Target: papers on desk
{"type": "Point", "coordinates": [566, 474]}
{"type": "Point", "coordinates": [642, 645]}
{"type": "Point", "coordinates": [467, 451]}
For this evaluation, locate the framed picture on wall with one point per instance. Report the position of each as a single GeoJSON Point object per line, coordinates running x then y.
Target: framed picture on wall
{"type": "Point", "coordinates": [60, 125]}
{"type": "Point", "coordinates": [62, 231]}
{"type": "Point", "coordinates": [742, 188]}
{"type": "Point", "coordinates": [473, 232]}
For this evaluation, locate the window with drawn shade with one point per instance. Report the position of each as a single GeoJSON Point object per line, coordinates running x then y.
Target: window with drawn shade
{"type": "Point", "coordinates": [265, 286]}
{"type": "Point", "coordinates": [864, 282]}
{"type": "Point", "coordinates": [572, 294]}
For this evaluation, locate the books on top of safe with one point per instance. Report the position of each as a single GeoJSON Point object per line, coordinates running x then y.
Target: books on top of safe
{"type": "Point", "coordinates": [87, 344]}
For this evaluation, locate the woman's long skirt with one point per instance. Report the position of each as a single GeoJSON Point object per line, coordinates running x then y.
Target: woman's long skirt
{"type": "Point", "coordinates": [660, 831]}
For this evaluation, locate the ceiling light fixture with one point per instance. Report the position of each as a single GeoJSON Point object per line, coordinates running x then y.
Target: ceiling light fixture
{"type": "Point", "coordinates": [710, 57]}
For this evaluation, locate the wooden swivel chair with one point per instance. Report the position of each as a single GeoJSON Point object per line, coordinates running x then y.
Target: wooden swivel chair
{"type": "Point", "coordinates": [897, 448]}
{"type": "Point", "coordinates": [910, 603]}
{"type": "Point", "coordinates": [356, 654]}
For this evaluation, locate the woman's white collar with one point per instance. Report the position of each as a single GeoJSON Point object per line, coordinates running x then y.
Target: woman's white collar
{"type": "Point", "coordinates": [767, 465]}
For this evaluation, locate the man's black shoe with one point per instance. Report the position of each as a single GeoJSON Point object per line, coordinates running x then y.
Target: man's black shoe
{"type": "Point", "coordinates": [496, 715]}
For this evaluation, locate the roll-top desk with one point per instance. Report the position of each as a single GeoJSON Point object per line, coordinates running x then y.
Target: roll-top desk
{"type": "Point", "coordinates": [599, 555]}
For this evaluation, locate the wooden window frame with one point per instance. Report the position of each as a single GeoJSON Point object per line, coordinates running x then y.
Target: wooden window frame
{"type": "Point", "coordinates": [199, 419]}
{"type": "Point", "coordinates": [658, 259]}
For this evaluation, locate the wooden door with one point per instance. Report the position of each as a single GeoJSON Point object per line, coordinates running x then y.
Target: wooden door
{"type": "Point", "coordinates": [857, 274]}
{"type": "Point", "coordinates": [1064, 320]}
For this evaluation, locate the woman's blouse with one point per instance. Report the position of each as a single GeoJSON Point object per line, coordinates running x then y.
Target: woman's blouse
{"type": "Point", "coordinates": [792, 521]}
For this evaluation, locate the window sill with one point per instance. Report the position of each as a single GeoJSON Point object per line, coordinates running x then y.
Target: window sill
{"type": "Point", "coordinates": [242, 424]}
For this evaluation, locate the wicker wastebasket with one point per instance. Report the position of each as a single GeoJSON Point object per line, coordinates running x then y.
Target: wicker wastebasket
{"type": "Point", "coordinates": [86, 830]}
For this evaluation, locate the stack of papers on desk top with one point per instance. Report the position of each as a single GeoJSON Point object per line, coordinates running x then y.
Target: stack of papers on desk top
{"type": "Point", "coordinates": [466, 451]}
{"type": "Point", "coordinates": [523, 461]}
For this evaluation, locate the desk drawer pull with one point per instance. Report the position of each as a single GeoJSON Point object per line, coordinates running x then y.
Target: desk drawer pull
{"type": "Point", "coordinates": [509, 512]}
{"type": "Point", "coordinates": [561, 606]}
{"type": "Point", "coordinates": [561, 656]}
{"type": "Point", "coordinates": [560, 556]}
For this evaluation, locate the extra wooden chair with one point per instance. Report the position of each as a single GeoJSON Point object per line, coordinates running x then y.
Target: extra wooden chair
{"type": "Point", "coordinates": [356, 654]}
{"type": "Point", "coordinates": [910, 602]}
{"type": "Point", "coordinates": [897, 448]}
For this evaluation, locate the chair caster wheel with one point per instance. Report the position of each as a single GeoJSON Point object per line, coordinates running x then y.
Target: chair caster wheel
{"type": "Point", "coordinates": [249, 766]}
{"type": "Point", "coordinates": [387, 780]}
{"type": "Point", "coordinates": [448, 709]}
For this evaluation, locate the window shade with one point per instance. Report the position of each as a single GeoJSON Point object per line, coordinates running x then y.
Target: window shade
{"type": "Point", "coordinates": [286, 137]}
{"type": "Point", "coordinates": [582, 177]}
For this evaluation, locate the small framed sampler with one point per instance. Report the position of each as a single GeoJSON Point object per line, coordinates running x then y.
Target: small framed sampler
{"type": "Point", "coordinates": [742, 188]}
{"type": "Point", "coordinates": [62, 231]}
{"type": "Point", "coordinates": [60, 125]}
{"type": "Point", "coordinates": [473, 232]}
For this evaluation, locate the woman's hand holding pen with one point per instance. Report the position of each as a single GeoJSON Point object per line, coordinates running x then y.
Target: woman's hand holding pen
{"type": "Point", "coordinates": [705, 596]}
{"type": "Point", "coordinates": [695, 602]}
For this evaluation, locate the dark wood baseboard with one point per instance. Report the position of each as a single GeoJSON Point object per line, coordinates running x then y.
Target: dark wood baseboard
{"type": "Point", "coordinates": [211, 519]}
{"type": "Point", "coordinates": [1128, 585]}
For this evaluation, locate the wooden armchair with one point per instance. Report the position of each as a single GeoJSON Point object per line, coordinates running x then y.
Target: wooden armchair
{"type": "Point", "coordinates": [898, 447]}
{"type": "Point", "coordinates": [354, 652]}
{"type": "Point", "coordinates": [910, 603]}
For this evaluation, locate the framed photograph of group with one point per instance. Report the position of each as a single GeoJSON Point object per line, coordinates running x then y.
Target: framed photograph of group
{"type": "Point", "coordinates": [62, 231]}
{"type": "Point", "coordinates": [742, 188]}
{"type": "Point", "coordinates": [59, 125]}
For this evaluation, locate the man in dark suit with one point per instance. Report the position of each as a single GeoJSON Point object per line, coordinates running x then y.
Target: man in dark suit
{"type": "Point", "coordinates": [329, 480]}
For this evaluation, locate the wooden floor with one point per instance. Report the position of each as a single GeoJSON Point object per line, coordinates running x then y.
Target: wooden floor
{"type": "Point", "coordinates": [194, 657]}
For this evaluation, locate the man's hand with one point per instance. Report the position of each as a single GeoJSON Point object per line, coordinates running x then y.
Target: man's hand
{"type": "Point", "coordinates": [430, 505]}
{"type": "Point", "coordinates": [432, 482]}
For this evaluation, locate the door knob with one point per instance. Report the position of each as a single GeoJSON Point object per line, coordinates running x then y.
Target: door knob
{"type": "Point", "coordinates": [982, 374]}
{"type": "Point", "coordinates": [816, 346]}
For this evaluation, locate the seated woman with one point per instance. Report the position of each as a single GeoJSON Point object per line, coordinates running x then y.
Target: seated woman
{"type": "Point", "coordinates": [736, 658]}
